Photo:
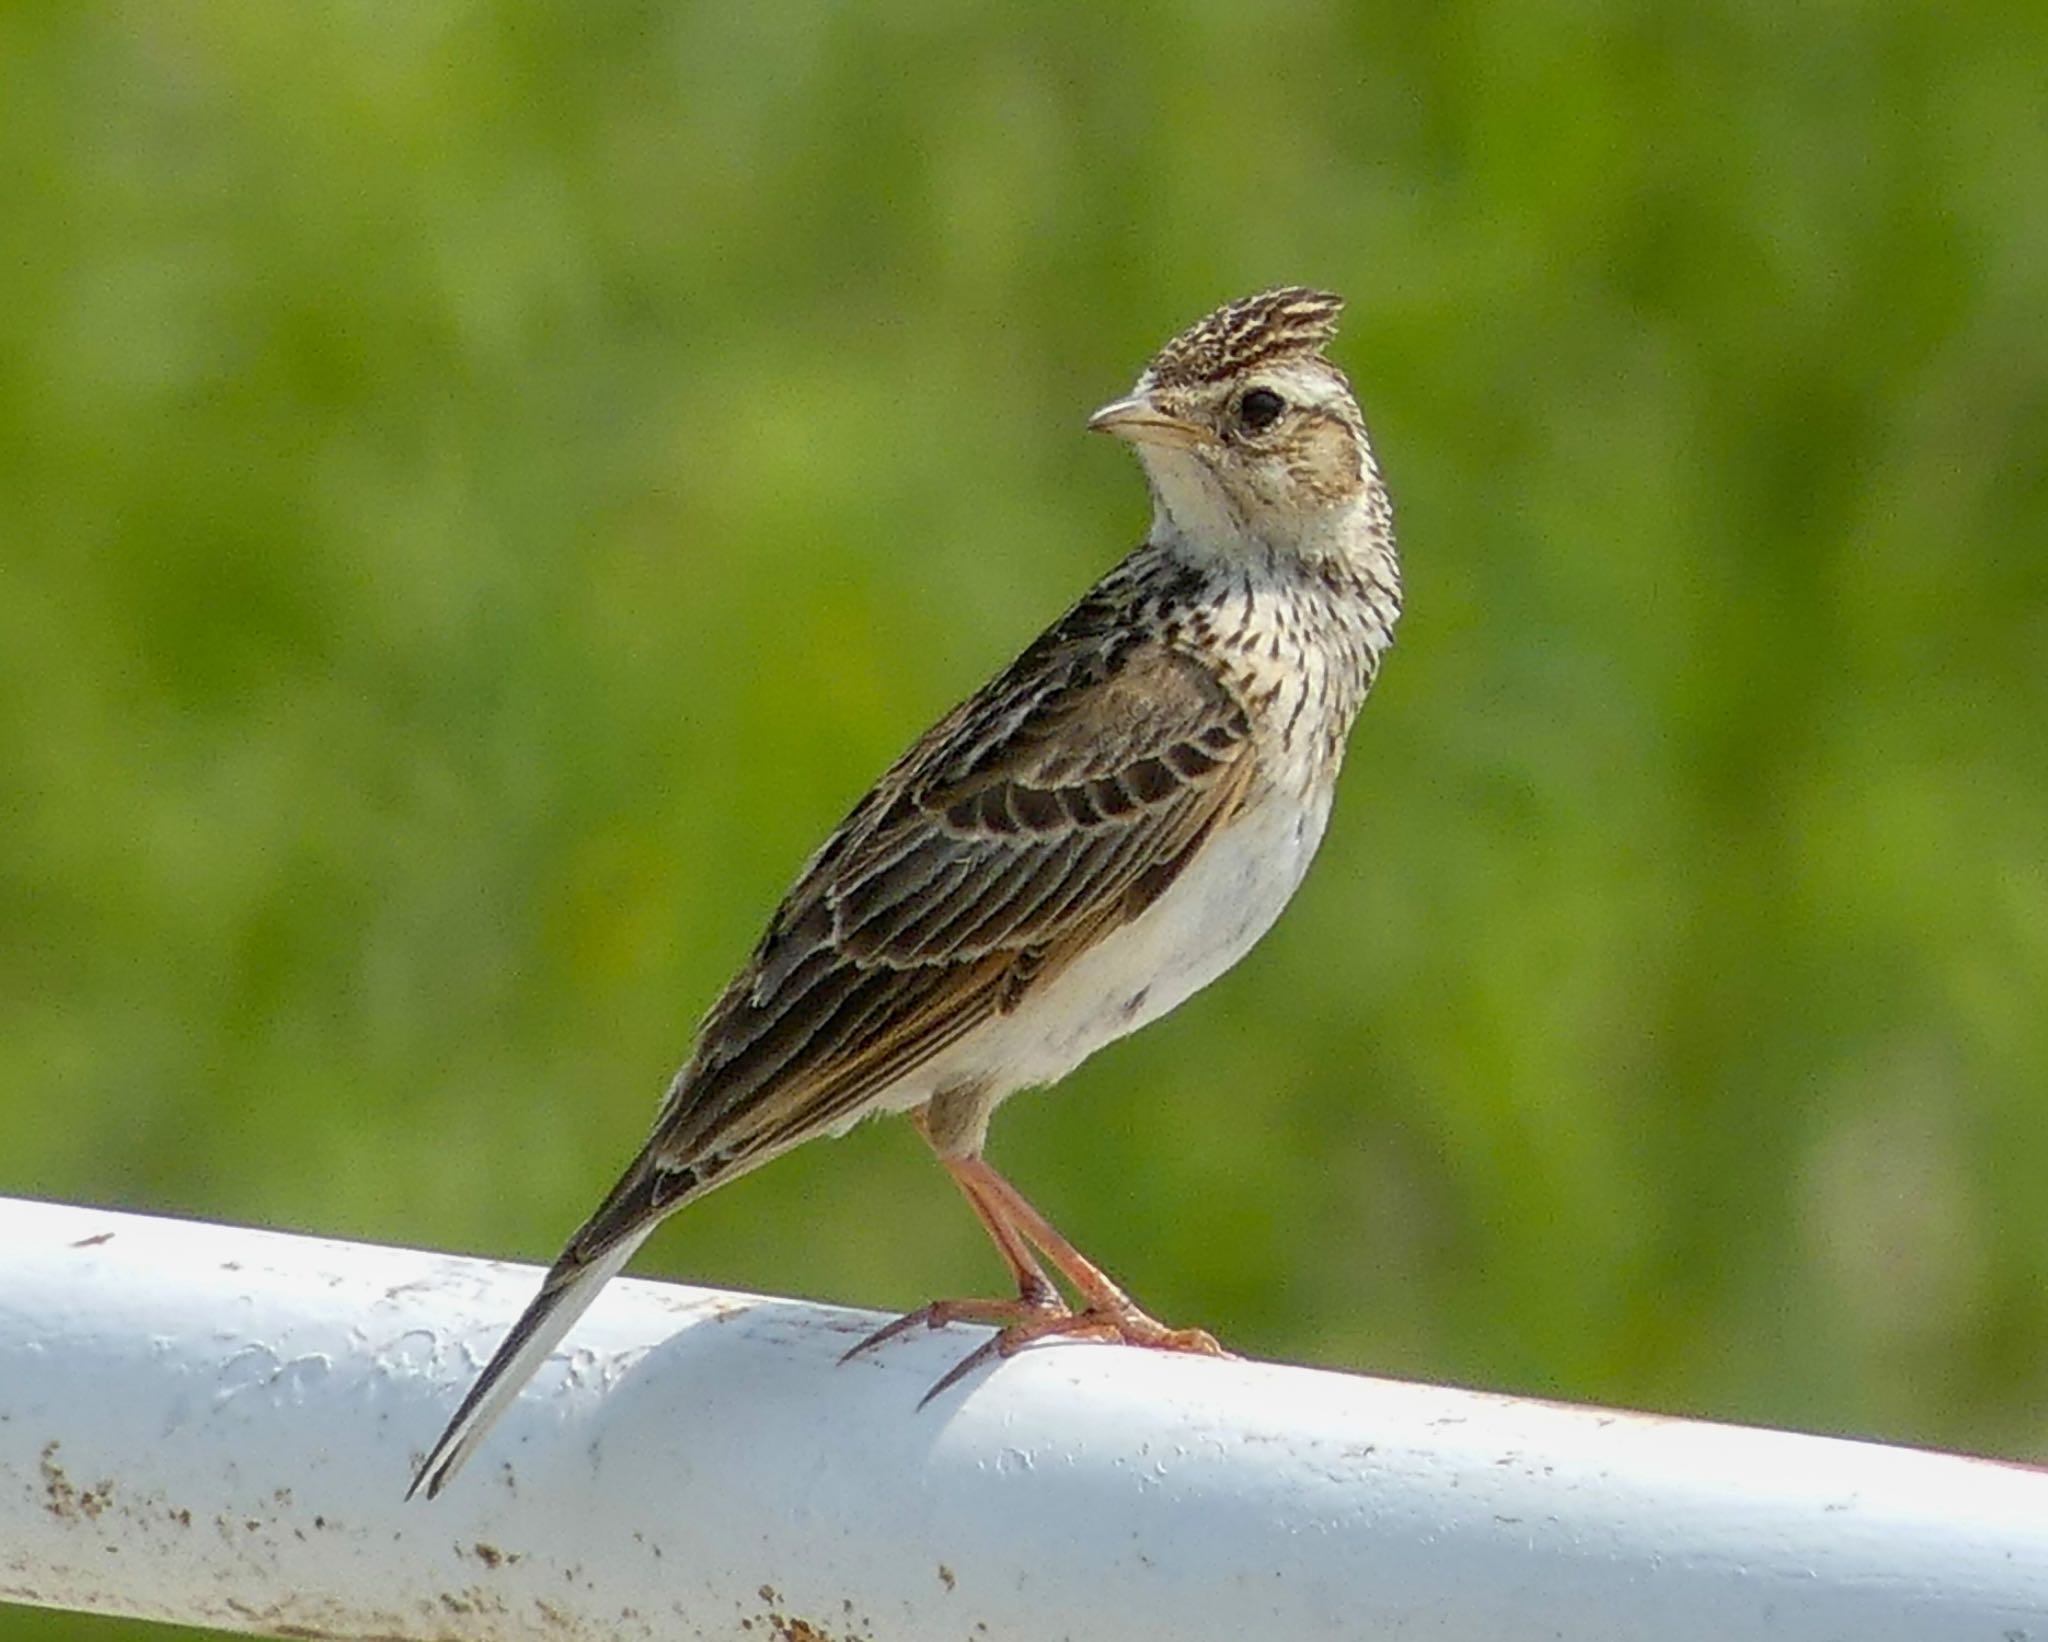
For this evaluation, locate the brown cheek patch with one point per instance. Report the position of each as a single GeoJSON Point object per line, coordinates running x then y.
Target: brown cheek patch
{"type": "Point", "coordinates": [1328, 464]}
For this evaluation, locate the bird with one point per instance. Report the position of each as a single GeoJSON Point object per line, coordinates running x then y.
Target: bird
{"type": "Point", "coordinates": [1101, 830]}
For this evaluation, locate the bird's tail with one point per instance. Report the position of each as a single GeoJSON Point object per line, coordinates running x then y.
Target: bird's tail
{"type": "Point", "coordinates": [564, 1296]}
{"type": "Point", "coordinates": [637, 1204]}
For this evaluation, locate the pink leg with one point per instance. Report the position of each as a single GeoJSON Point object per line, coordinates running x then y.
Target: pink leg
{"type": "Point", "coordinates": [1036, 1296]}
{"type": "Point", "coordinates": [1038, 1313]}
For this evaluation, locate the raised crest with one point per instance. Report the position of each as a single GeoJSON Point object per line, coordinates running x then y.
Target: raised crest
{"type": "Point", "coordinates": [1272, 325]}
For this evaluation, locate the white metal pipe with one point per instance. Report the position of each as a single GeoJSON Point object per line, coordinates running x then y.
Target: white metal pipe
{"type": "Point", "coordinates": [210, 1425]}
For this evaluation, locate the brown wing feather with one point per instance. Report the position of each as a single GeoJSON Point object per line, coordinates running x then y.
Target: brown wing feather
{"type": "Point", "coordinates": [1048, 810]}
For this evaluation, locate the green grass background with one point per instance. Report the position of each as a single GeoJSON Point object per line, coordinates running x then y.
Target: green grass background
{"type": "Point", "coordinates": [483, 487]}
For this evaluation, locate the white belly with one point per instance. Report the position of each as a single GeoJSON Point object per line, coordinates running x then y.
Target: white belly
{"type": "Point", "coordinates": [1210, 917]}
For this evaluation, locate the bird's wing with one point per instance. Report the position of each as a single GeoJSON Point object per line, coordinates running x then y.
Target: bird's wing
{"type": "Point", "coordinates": [1045, 812]}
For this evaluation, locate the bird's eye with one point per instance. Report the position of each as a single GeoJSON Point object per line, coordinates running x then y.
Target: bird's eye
{"type": "Point", "coordinates": [1260, 409]}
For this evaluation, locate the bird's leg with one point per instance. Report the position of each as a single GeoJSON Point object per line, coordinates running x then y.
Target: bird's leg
{"type": "Point", "coordinates": [1034, 1289]}
{"type": "Point", "coordinates": [1108, 1313]}
{"type": "Point", "coordinates": [1038, 1312]}
{"type": "Point", "coordinates": [1036, 1296]}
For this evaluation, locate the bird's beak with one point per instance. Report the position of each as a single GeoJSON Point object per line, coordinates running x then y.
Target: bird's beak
{"type": "Point", "coordinates": [1144, 423]}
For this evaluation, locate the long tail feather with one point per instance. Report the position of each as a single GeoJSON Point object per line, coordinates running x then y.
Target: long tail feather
{"type": "Point", "coordinates": [564, 1296]}
{"type": "Point", "coordinates": [646, 1194]}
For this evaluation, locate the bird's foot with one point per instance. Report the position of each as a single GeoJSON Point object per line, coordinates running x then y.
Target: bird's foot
{"type": "Point", "coordinates": [1028, 1319]}
{"type": "Point", "coordinates": [1116, 1324]}
{"type": "Point", "coordinates": [1104, 1312]}
{"type": "Point", "coordinates": [1005, 1315]}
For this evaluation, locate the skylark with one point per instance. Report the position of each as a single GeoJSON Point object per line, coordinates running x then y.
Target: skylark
{"type": "Point", "coordinates": [1096, 834]}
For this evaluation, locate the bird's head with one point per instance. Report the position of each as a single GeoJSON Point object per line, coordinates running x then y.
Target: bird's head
{"type": "Point", "coordinates": [1249, 436]}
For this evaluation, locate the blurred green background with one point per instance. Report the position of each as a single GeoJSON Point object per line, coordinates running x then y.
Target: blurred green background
{"type": "Point", "coordinates": [483, 487]}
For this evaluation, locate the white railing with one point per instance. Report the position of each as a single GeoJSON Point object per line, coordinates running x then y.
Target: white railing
{"type": "Point", "coordinates": [208, 1425]}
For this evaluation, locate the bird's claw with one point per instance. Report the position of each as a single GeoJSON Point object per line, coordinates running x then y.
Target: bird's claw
{"type": "Point", "coordinates": [999, 1314]}
{"type": "Point", "coordinates": [1030, 1318]}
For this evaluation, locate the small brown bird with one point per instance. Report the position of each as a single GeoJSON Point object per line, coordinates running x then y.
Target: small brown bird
{"type": "Point", "coordinates": [1097, 833]}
